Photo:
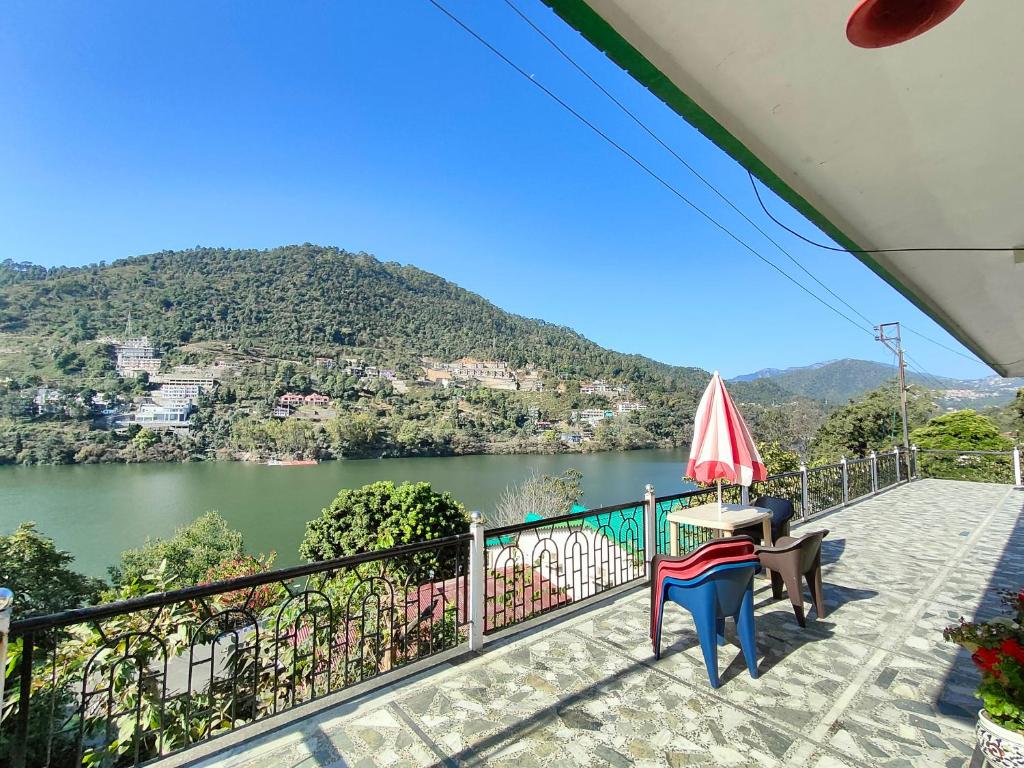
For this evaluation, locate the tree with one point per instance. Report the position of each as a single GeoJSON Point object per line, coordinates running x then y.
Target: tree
{"type": "Point", "coordinates": [544, 495]}
{"type": "Point", "coordinates": [962, 431]}
{"type": "Point", "coordinates": [40, 575]}
{"type": "Point", "coordinates": [190, 553]}
{"type": "Point", "coordinates": [778, 459]}
{"type": "Point", "coordinates": [381, 515]}
{"type": "Point", "coordinates": [869, 423]}
{"type": "Point", "coordinates": [1017, 413]}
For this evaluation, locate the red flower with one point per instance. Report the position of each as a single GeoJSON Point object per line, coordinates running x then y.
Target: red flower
{"type": "Point", "coordinates": [986, 659]}
{"type": "Point", "coordinates": [1013, 649]}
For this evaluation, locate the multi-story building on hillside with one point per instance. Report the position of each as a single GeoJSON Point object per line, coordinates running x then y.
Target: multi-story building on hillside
{"type": "Point", "coordinates": [599, 387]}
{"type": "Point", "coordinates": [135, 356]}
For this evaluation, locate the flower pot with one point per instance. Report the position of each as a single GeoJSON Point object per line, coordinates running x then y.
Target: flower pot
{"type": "Point", "coordinates": [999, 745]}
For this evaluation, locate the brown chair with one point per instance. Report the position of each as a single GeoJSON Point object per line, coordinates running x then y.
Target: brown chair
{"type": "Point", "coordinates": [791, 558]}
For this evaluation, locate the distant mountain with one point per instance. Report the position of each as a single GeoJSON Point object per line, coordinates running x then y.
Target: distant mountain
{"type": "Point", "coordinates": [837, 381]}
{"type": "Point", "coordinates": [767, 373]}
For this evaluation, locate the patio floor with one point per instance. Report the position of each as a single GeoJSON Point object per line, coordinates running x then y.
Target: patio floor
{"type": "Point", "coordinates": [873, 684]}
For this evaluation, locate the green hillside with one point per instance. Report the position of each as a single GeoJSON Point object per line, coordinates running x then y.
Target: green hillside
{"type": "Point", "coordinates": [265, 316]}
{"type": "Point", "coordinates": [299, 301]}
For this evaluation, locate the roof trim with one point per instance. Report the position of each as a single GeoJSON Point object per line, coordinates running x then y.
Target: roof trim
{"type": "Point", "coordinates": [590, 24]}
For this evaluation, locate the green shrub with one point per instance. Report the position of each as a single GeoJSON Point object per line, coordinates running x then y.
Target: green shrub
{"type": "Point", "coordinates": [190, 553]}
{"type": "Point", "coordinates": [382, 515]}
{"type": "Point", "coordinates": [39, 574]}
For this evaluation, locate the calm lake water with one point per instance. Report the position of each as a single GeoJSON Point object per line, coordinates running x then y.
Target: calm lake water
{"type": "Point", "coordinates": [96, 511]}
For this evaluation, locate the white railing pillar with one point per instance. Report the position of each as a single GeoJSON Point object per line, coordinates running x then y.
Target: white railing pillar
{"type": "Point", "coordinates": [476, 582]}
{"type": "Point", "coordinates": [913, 463]}
{"type": "Point", "coordinates": [650, 527]}
{"type": "Point", "coordinates": [846, 481]}
{"type": "Point", "coordinates": [1016, 467]}
{"type": "Point", "coordinates": [874, 472]}
{"type": "Point", "coordinates": [805, 496]}
{"type": "Point", "coordinates": [6, 608]}
{"type": "Point", "coordinates": [896, 453]}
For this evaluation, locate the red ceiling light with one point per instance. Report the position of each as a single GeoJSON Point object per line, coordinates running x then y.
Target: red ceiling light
{"type": "Point", "coordinates": [880, 23]}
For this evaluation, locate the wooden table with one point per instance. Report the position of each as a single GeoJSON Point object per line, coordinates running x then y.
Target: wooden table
{"type": "Point", "coordinates": [733, 516]}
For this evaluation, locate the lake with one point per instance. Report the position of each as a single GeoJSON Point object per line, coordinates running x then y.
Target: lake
{"type": "Point", "coordinates": [96, 511]}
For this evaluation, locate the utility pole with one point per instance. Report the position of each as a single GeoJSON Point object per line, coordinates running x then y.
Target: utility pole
{"type": "Point", "coordinates": [889, 334]}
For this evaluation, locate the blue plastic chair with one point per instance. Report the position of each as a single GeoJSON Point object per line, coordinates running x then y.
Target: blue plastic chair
{"type": "Point", "coordinates": [721, 591]}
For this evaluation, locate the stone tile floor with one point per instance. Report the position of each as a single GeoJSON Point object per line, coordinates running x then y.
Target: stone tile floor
{"type": "Point", "coordinates": [872, 684]}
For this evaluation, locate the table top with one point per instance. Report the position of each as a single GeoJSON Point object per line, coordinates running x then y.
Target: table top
{"type": "Point", "coordinates": [707, 516]}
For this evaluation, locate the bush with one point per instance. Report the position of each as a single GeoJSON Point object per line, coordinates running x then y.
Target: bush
{"type": "Point", "coordinates": [190, 553]}
{"type": "Point", "coordinates": [39, 574]}
{"type": "Point", "coordinates": [381, 515]}
{"type": "Point", "coordinates": [963, 431]}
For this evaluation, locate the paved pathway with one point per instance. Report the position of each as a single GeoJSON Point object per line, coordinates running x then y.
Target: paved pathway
{"type": "Point", "coordinates": [873, 684]}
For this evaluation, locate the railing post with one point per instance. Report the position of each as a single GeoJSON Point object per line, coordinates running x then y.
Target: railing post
{"type": "Point", "coordinates": [650, 527]}
{"type": "Point", "coordinates": [846, 481]}
{"type": "Point", "coordinates": [874, 472]}
{"type": "Point", "coordinates": [913, 463]}
{"type": "Point", "coordinates": [19, 749]}
{"type": "Point", "coordinates": [805, 497]}
{"type": "Point", "coordinates": [6, 608]}
{"type": "Point", "coordinates": [1016, 467]}
{"type": "Point", "coordinates": [476, 582]}
{"type": "Point", "coordinates": [896, 453]}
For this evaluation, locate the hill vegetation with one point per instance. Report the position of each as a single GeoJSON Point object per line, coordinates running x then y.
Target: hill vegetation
{"type": "Point", "coordinates": [269, 314]}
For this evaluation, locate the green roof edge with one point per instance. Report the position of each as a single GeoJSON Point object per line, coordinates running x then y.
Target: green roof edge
{"type": "Point", "coordinates": [601, 34]}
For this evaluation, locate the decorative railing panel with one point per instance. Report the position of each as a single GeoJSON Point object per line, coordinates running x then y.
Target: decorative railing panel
{"type": "Point", "coordinates": [124, 683]}
{"type": "Point", "coordinates": [858, 478]}
{"type": "Point", "coordinates": [787, 485]}
{"type": "Point", "coordinates": [533, 568]}
{"type": "Point", "coordinates": [824, 487]}
{"type": "Point", "coordinates": [887, 474]}
{"type": "Point", "coordinates": [690, 537]}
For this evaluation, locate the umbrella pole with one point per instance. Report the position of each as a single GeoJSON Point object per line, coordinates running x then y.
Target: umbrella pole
{"type": "Point", "coordinates": [719, 497]}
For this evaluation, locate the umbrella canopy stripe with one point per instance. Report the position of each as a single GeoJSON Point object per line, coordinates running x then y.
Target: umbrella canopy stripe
{"type": "Point", "coordinates": [722, 447]}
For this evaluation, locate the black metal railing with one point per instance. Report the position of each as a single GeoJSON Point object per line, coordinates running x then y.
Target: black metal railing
{"type": "Point", "coordinates": [858, 479]}
{"type": "Point", "coordinates": [128, 682]}
{"type": "Point", "coordinates": [977, 466]}
{"type": "Point", "coordinates": [536, 567]}
{"type": "Point", "coordinates": [786, 485]}
{"type": "Point", "coordinates": [888, 468]}
{"type": "Point", "coordinates": [824, 488]}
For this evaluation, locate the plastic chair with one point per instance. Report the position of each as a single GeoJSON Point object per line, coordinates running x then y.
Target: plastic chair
{"type": "Point", "coordinates": [714, 581]}
{"type": "Point", "coordinates": [789, 560]}
{"type": "Point", "coordinates": [782, 512]}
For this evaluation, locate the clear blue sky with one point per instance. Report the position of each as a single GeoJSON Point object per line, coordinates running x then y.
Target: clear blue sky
{"type": "Point", "coordinates": [130, 127]}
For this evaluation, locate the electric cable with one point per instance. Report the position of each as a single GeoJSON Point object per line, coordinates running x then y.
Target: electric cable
{"type": "Point", "coordinates": [640, 164]}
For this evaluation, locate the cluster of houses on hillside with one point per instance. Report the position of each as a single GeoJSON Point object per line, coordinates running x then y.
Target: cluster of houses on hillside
{"type": "Point", "coordinates": [289, 401]}
{"type": "Point", "coordinates": [492, 374]}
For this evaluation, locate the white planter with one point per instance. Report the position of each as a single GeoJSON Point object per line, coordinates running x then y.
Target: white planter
{"type": "Point", "coordinates": [1001, 747]}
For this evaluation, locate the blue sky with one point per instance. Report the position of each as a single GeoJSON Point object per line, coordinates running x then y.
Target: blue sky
{"type": "Point", "coordinates": [132, 127]}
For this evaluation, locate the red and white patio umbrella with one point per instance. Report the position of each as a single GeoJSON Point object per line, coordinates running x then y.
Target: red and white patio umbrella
{"type": "Point", "coordinates": [722, 447]}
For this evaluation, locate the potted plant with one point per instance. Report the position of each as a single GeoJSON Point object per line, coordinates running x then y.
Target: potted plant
{"type": "Point", "coordinates": [997, 649]}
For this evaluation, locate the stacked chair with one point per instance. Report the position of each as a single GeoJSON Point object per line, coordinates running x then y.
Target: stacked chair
{"type": "Point", "coordinates": [714, 581]}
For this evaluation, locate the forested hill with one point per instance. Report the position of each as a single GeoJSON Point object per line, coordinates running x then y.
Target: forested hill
{"type": "Point", "coordinates": [298, 301]}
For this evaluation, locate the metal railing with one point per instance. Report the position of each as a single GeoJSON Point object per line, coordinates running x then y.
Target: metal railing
{"type": "Point", "coordinates": [128, 682]}
{"type": "Point", "coordinates": [537, 567]}
{"type": "Point", "coordinates": [131, 681]}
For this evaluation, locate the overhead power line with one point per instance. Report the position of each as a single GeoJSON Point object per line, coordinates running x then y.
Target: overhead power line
{"type": "Point", "coordinates": [644, 167]}
{"type": "Point", "coordinates": [711, 186]}
{"type": "Point", "coordinates": [707, 183]}
{"type": "Point", "coordinates": [840, 249]}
